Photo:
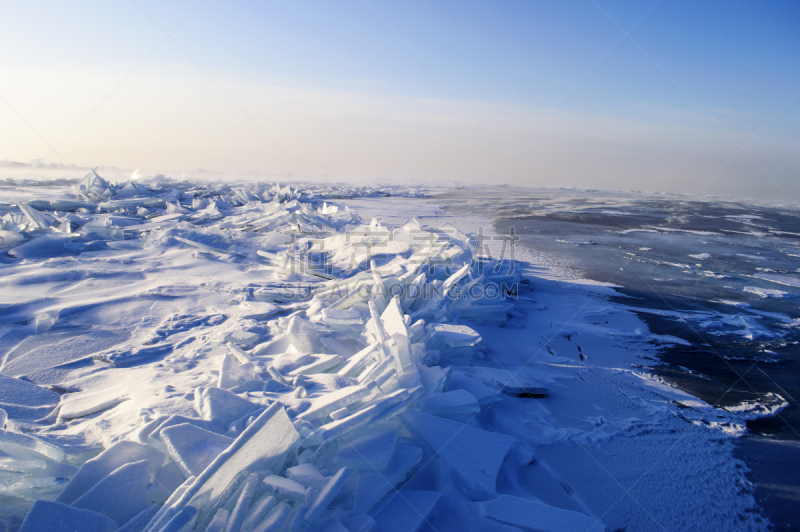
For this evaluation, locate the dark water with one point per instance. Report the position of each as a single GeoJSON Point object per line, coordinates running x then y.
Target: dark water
{"type": "Point", "coordinates": [722, 275]}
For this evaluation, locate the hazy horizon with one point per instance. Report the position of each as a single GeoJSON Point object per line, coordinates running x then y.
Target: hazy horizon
{"type": "Point", "coordinates": [693, 100]}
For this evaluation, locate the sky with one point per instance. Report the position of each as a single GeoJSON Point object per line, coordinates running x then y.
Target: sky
{"type": "Point", "coordinates": [672, 96]}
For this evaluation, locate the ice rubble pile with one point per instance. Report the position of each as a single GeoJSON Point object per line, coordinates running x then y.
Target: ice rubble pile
{"type": "Point", "coordinates": [104, 212]}
{"type": "Point", "coordinates": [369, 379]}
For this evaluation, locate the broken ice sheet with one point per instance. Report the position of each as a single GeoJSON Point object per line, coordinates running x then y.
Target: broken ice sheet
{"type": "Point", "coordinates": [122, 494]}
{"type": "Point", "coordinates": [263, 447]}
{"type": "Point", "coordinates": [474, 456]}
{"type": "Point", "coordinates": [99, 467]}
{"type": "Point", "coordinates": [193, 448]}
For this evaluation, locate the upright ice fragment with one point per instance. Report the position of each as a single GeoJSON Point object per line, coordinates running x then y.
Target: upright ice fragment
{"type": "Point", "coordinates": [275, 520]}
{"type": "Point", "coordinates": [242, 504]}
{"type": "Point", "coordinates": [304, 336]}
{"type": "Point", "coordinates": [193, 448]}
{"type": "Point", "coordinates": [232, 374]}
{"type": "Point", "coordinates": [326, 495]}
{"type": "Point", "coordinates": [221, 406]}
{"type": "Point", "coordinates": [262, 447]}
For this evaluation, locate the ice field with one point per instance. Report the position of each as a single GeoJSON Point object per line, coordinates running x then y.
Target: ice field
{"type": "Point", "coordinates": [259, 357]}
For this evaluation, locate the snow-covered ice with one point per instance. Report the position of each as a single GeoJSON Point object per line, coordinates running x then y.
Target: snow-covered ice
{"type": "Point", "coordinates": [189, 356]}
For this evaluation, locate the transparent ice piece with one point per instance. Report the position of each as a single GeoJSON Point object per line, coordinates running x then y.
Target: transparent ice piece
{"type": "Point", "coordinates": [193, 448]}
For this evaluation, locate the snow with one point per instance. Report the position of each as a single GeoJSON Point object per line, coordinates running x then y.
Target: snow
{"type": "Point", "coordinates": [225, 358]}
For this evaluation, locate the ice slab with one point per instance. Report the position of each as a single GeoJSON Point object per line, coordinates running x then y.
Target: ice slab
{"type": "Point", "coordinates": [343, 344]}
{"type": "Point", "coordinates": [258, 511]}
{"type": "Point", "coordinates": [331, 524]}
{"type": "Point", "coordinates": [326, 495]}
{"type": "Point", "coordinates": [262, 447]}
{"type": "Point", "coordinates": [233, 374]}
{"type": "Point", "coordinates": [534, 516]}
{"type": "Point", "coordinates": [219, 521]}
{"type": "Point", "coordinates": [382, 409]}
{"type": "Point", "coordinates": [406, 510]}
{"type": "Point", "coordinates": [94, 470]}
{"type": "Point", "coordinates": [48, 246]}
{"type": "Point", "coordinates": [21, 393]}
{"type": "Point", "coordinates": [474, 456]}
{"type": "Point", "coordinates": [237, 516]}
{"type": "Point", "coordinates": [483, 394]}
{"type": "Point", "coordinates": [166, 482]}
{"type": "Point", "coordinates": [360, 523]}
{"type": "Point", "coordinates": [286, 487]}
{"type": "Point", "coordinates": [307, 475]}
{"type": "Point", "coordinates": [329, 402]}
{"type": "Point", "coordinates": [455, 335]}
{"type": "Point", "coordinates": [458, 403]}
{"type": "Point", "coordinates": [57, 517]}
{"type": "Point", "coordinates": [509, 381]}
{"type": "Point", "coordinates": [193, 448]}
{"type": "Point", "coordinates": [242, 338]}
{"type": "Point", "coordinates": [221, 406]}
{"type": "Point", "coordinates": [371, 451]}
{"type": "Point", "coordinates": [122, 494]}
{"type": "Point", "coordinates": [275, 520]}
{"type": "Point", "coordinates": [76, 405]}
{"type": "Point", "coordinates": [345, 317]}
{"type": "Point", "coordinates": [433, 379]}
{"type": "Point", "coordinates": [153, 437]}
{"type": "Point", "coordinates": [372, 486]}
{"type": "Point", "coordinates": [304, 336]}
{"type": "Point", "coordinates": [126, 355]}
{"type": "Point", "coordinates": [319, 364]}
{"type": "Point", "coordinates": [357, 362]}
{"type": "Point", "coordinates": [394, 326]}
{"type": "Point", "coordinates": [138, 522]}
{"type": "Point", "coordinates": [10, 239]}
{"type": "Point", "coordinates": [29, 443]}
{"type": "Point", "coordinates": [183, 520]}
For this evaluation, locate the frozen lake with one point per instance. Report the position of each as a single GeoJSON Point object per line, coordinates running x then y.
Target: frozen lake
{"type": "Point", "coordinates": [723, 275]}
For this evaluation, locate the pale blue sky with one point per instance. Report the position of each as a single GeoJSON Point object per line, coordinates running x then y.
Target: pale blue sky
{"type": "Point", "coordinates": [534, 93]}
